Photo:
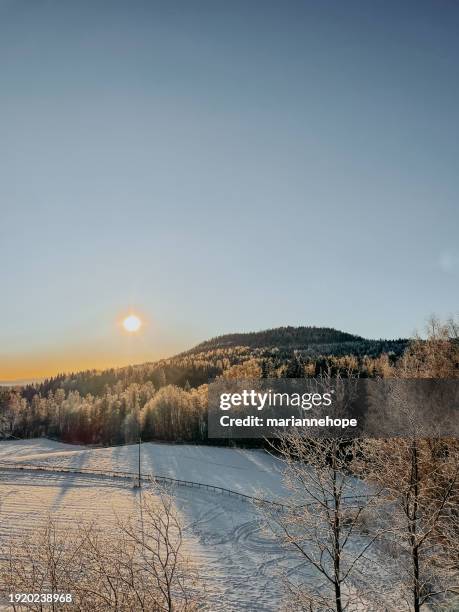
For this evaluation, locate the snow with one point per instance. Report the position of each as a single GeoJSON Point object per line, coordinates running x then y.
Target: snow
{"type": "Point", "coordinates": [239, 560]}
{"type": "Point", "coordinates": [252, 472]}
{"type": "Point", "coordinates": [223, 533]}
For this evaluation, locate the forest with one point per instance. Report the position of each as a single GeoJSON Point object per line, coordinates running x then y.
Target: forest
{"type": "Point", "coordinates": [312, 340]}
{"type": "Point", "coordinates": [167, 400]}
{"type": "Point", "coordinates": [410, 519]}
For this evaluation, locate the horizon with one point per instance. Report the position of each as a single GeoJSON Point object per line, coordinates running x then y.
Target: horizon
{"type": "Point", "coordinates": [229, 313]}
{"type": "Point", "coordinates": [210, 170]}
{"type": "Point", "coordinates": [37, 379]}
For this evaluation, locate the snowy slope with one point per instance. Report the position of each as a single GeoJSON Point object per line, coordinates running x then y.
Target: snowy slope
{"type": "Point", "coordinates": [246, 471]}
{"type": "Point", "coordinates": [239, 561]}
{"type": "Point", "coordinates": [223, 533]}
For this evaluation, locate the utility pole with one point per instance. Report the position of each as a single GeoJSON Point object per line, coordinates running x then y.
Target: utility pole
{"type": "Point", "coordinates": [140, 442]}
{"type": "Point", "coordinates": [140, 473]}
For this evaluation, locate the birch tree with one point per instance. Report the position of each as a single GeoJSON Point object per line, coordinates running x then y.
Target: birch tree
{"type": "Point", "coordinates": [325, 524]}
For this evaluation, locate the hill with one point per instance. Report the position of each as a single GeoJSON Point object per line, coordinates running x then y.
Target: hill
{"type": "Point", "coordinates": [275, 347]}
{"type": "Point", "coordinates": [103, 407]}
{"type": "Point", "coordinates": [309, 341]}
{"type": "Point", "coordinates": [279, 337]}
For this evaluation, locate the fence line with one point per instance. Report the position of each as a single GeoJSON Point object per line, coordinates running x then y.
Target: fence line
{"type": "Point", "coordinates": [13, 465]}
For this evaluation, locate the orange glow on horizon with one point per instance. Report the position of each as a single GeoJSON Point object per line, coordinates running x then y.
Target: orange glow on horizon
{"type": "Point", "coordinates": [103, 344]}
{"type": "Point", "coordinates": [29, 368]}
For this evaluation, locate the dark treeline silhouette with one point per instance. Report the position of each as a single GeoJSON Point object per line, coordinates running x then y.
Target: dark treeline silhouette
{"type": "Point", "coordinates": [320, 340]}
{"type": "Point", "coordinates": [167, 400]}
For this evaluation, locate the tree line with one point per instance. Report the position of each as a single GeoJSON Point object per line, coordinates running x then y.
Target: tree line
{"type": "Point", "coordinates": [167, 400]}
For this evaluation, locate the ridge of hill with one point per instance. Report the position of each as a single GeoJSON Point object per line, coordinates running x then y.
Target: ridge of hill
{"type": "Point", "coordinates": [280, 337]}
{"type": "Point", "coordinates": [276, 348]}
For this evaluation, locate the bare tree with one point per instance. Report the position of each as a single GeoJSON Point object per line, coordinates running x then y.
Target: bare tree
{"type": "Point", "coordinates": [325, 523]}
{"type": "Point", "coordinates": [420, 478]}
{"type": "Point", "coordinates": [157, 534]}
{"type": "Point", "coordinates": [135, 565]}
{"type": "Point", "coordinates": [43, 561]}
{"type": "Point", "coordinates": [437, 356]}
{"type": "Point", "coordinates": [420, 472]}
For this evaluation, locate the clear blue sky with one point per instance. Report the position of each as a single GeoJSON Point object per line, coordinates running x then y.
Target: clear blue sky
{"type": "Point", "coordinates": [222, 166]}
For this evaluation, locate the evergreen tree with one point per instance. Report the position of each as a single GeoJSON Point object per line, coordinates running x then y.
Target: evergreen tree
{"type": "Point", "coordinates": [295, 368]}
{"type": "Point", "coordinates": [264, 369]}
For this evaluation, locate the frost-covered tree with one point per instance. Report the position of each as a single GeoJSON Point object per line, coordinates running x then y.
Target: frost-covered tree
{"type": "Point", "coordinates": [324, 524]}
{"type": "Point", "coordinates": [137, 564]}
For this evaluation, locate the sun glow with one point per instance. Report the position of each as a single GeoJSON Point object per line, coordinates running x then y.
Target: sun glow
{"type": "Point", "coordinates": [132, 323]}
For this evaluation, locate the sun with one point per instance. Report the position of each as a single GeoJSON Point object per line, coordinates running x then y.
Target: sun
{"type": "Point", "coordinates": [132, 323]}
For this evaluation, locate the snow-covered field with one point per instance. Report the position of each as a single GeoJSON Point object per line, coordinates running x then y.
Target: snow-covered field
{"type": "Point", "coordinates": [223, 533]}
{"type": "Point", "coordinates": [239, 561]}
{"type": "Point", "coordinates": [248, 471]}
